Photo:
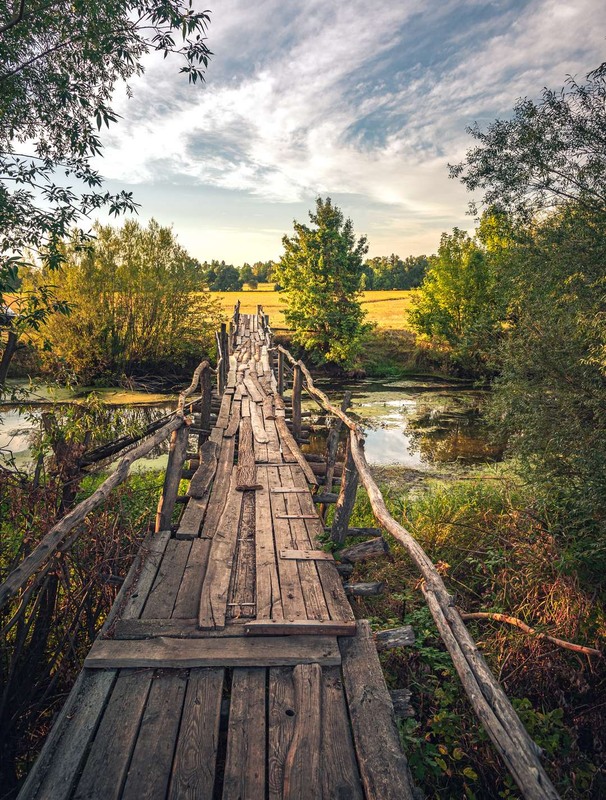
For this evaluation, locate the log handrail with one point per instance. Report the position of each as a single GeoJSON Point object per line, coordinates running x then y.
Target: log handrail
{"type": "Point", "coordinates": [53, 540]}
{"type": "Point", "coordinates": [489, 701]}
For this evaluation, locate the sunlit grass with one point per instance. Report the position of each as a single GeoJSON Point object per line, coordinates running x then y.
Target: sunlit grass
{"type": "Point", "coordinates": [388, 309]}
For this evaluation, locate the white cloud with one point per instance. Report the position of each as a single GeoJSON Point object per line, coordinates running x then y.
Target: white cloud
{"type": "Point", "coordinates": [327, 99]}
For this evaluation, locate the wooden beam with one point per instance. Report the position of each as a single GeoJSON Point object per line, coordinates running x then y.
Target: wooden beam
{"type": "Point", "coordinates": [168, 653]}
{"type": "Point", "coordinates": [307, 627]}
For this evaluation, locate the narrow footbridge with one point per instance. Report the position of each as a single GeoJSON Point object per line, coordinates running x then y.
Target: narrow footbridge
{"type": "Point", "coordinates": [231, 665]}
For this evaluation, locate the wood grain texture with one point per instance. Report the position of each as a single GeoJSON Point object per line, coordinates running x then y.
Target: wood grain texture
{"type": "Point", "coordinates": [151, 764]}
{"type": "Point", "coordinates": [194, 766]}
{"type": "Point", "coordinates": [188, 597]}
{"type": "Point", "coordinates": [246, 470]}
{"type": "Point", "coordinates": [107, 763]}
{"type": "Point", "coordinates": [220, 488]}
{"type": "Point", "coordinates": [340, 774]}
{"type": "Point", "coordinates": [382, 763]}
{"type": "Point", "coordinates": [302, 767]}
{"type": "Point", "coordinates": [215, 589]}
{"type": "Point", "coordinates": [244, 775]}
{"type": "Point", "coordinates": [168, 653]}
{"type": "Point", "coordinates": [53, 775]}
{"type": "Point", "coordinates": [163, 594]}
{"type": "Point", "coordinates": [268, 591]}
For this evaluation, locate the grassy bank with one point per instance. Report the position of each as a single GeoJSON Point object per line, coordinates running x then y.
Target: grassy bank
{"type": "Point", "coordinates": [494, 547]}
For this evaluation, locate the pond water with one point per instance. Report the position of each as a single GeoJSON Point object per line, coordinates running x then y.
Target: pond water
{"type": "Point", "coordinates": [416, 424]}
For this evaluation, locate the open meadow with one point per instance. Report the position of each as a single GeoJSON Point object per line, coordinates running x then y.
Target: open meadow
{"type": "Point", "coordinates": [388, 309]}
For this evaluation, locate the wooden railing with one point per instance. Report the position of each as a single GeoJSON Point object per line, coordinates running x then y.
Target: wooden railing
{"type": "Point", "coordinates": [490, 703]}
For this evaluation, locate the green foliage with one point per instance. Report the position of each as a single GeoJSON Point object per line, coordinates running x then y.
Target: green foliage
{"type": "Point", "coordinates": [391, 272]}
{"type": "Point", "coordinates": [221, 277]}
{"type": "Point", "coordinates": [320, 273]}
{"type": "Point", "coordinates": [547, 154]}
{"type": "Point", "coordinates": [135, 305]}
{"type": "Point", "coordinates": [59, 66]}
{"type": "Point", "coordinates": [458, 303]}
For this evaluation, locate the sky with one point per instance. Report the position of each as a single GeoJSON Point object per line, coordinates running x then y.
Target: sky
{"type": "Point", "coordinates": [365, 102]}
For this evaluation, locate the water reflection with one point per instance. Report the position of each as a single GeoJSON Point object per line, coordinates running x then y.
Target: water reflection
{"type": "Point", "coordinates": [419, 424]}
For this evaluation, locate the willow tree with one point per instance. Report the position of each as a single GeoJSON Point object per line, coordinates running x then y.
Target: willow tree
{"type": "Point", "coordinates": [320, 273]}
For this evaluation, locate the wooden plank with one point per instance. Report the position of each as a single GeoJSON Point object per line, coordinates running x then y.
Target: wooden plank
{"type": "Point", "coordinates": [213, 600]}
{"type": "Point", "coordinates": [55, 771]}
{"type": "Point", "coordinates": [220, 488]}
{"type": "Point", "coordinates": [291, 445]}
{"type": "Point", "coordinates": [203, 476]}
{"type": "Point", "coordinates": [193, 773]}
{"type": "Point", "coordinates": [382, 763]}
{"type": "Point", "coordinates": [174, 628]}
{"type": "Point", "coordinates": [268, 592]}
{"type": "Point", "coordinates": [192, 517]}
{"type": "Point", "coordinates": [256, 417]}
{"type": "Point", "coordinates": [297, 516]}
{"type": "Point", "coordinates": [243, 651]}
{"type": "Point", "coordinates": [302, 767]}
{"type": "Point", "coordinates": [315, 602]}
{"type": "Point", "coordinates": [161, 599]}
{"type": "Point", "coordinates": [107, 763]}
{"type": "Point", "coordinates": [246, 471]}
{"type": "Point", "coordinates": [307, 555]}
{"type": "Point", "coordinates": [223, 416]}
{"type": "Point", "coordinates": [188, 597]}
{"type": "Point", "coordinates": [241, 598]}
{"type": "Point", "coordinates": [289, 490]}
{"type": "Point", "coordinates": [340, 775]}
{"type": "Point", "coordinates": [281, 727]}
{"type": "Point", "coordinates": [244, 775]}
{"type": "Point", "coordinates": [253, 389]}
{"type": "Point", "coordinates": [274, 452]}
{"type": "Point", "coordinates": [151, 552]}
{"type": "Point", "coordinates": [305, 627]}
{"type": "Point", "coordinates": [150, 768]}
{"type": "Point", "coordinates": [245, 407]}
{"type": "Point", "coordinates": [234, 419]}
{"type": "Point", "coordinates": [293, 602]}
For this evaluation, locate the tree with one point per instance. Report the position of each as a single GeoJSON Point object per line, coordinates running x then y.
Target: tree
{"type": "Point", "coordinates": [221, 277]}
{"type": "Point", "coordinates": [546, 155]}
{"type": "Point", "coordinates": [248, 276]}
{"type": "Point", "coordinates": [59, 66]}
{"type": "Point", "coordinates": [458, 302]}
{"type": "Point", "coordinates": [320, 272]}
{"type": "Point", "coordinates": [544, 171]}
{"type": "Point", "coordinates": [136, 305]}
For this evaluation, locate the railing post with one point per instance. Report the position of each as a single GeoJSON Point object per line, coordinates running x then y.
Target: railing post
{"type": "Point", "coordinates": [176, 458]}
{"type": "Point", "coordinates": [205, 403]}
{"type": "Point", "coordinates": [347, 498]}
{"type": "Point", "coordinates": [297, 385]}
{"type": "Point", "coordinates": [224, 368]}
{"type": "Point", "coordinates": [332, 445]}
{"type": "Point", "coordinates": [280, 372]}
{"type": "Point", "coordinates": [220, 357]}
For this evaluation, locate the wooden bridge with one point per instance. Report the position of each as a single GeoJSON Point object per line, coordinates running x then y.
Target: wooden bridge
{"type": "Point", "coordinates": [231, 665]}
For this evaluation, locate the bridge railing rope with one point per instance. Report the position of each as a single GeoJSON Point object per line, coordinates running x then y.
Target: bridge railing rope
{"type": "Point", "coordinates": [490, 703]}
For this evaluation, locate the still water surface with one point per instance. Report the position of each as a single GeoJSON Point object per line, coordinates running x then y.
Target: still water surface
{"type": "Point", "coordinates": [417, 424]}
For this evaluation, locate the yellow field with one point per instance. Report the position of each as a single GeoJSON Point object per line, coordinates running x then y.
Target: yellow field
{"type": "Point", "coordinates": [389, 309]}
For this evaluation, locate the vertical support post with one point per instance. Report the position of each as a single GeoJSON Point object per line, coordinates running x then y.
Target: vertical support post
{"type": "Point", "coordinates": [220, 355]}
{"type": "Point", "coordinates": [280, 372]}
{"type": "Point", "coordinates": [176, 458]}
{"type": "Point", "coordinates": [347, 497]}
{"type": "Point", "coordinates": [332, 444]}
{"type": "Point", "coordinates": [297, 385]}
{"type": "Point", "coordinates": [225, 351]}
{"type": "Point", "coordinates": [206, 389]}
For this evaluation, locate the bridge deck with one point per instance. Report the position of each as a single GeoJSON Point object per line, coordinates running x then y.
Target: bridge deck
{"type": "Point", "coordinates": [232, 665]}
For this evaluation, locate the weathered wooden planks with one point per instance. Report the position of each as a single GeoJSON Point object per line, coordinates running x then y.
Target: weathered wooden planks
{"type": "Point", "coordinates": [244, 775]}
{"type": "Point", "coordinates": [107, 763]}
{"type": "Point", "coordinates": [308, 627]}
{"type": "Point", "coordinates": [246, 470]}
{"type": "Point", "coordinates": [213, 600]}
{"type": "Point", "coordinates": [150, 767]}
{"type": "Point", "coordinates": [302, 775]}
{"type": "Point", "coordinates": [168, 653]}
{"type": "Point", "coordinates": [193, 769]}
{"type": "Point", "coordinates": [383, 766]}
